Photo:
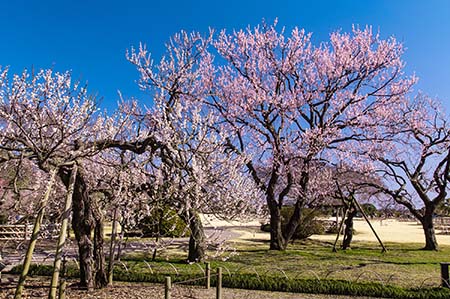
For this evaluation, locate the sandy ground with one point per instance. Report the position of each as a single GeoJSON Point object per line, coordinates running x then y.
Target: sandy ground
{"type": "Point", "coordinates": [389, 230]}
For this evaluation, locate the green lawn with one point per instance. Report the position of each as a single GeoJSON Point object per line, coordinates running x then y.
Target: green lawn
{"type": "Point", "coordinates": [403, 265]}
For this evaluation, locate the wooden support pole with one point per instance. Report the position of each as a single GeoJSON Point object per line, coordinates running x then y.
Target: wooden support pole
{"type": "Point", "coordinates": [63, 284]}
{"type": "Point", "coordinates": [339, 230]}
{"type": "Point", "coordinates": [34, 235]}
{"type": "Point", "coordinates": [219, 284]}
{"type": "Point", "coordinates": [370, 225]}
{"type": "Point", "coordinates": [208, 275]}
{"type": "Point", "coordinates": [2, 266]}
{"type": "Point", "coordinates": [112, 247]}
{"type": "Point", "coordinates": [62, 233]}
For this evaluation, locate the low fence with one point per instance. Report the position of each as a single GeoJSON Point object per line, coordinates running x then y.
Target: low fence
{"type": "Point", "coordinates": [207, 277]}
{"type": "Point", "coordinates": [22, 232]}
{"type": "Point", "coordinates": [15, 232]}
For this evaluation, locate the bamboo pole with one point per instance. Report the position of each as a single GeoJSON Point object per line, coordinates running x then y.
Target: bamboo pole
{"type": "Point", "coordinates": [34, 235]}
{"type": "Point", "coordinates": [62, 233]}
{"type": "Point", "coordinates": [370, 225]}
{"type": "Point", "coordinates": [112, 247]}
{"type": "Point", "coordinates": [63, 284]}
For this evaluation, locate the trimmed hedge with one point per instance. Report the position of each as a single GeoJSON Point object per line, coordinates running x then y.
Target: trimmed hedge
{"type": "Point", "coordinates": [271, 283]}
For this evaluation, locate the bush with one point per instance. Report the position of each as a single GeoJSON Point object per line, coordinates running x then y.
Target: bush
{"type": "Point", "coordinates": [3, 219]}
{"type": "Point", "coordinates": [163, 222]}
{"type": "Point", "coordinates": [307, 227]}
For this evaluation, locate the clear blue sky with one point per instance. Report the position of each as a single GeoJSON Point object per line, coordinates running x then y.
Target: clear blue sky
{"type": "Point", "coordinates": [91, 37]}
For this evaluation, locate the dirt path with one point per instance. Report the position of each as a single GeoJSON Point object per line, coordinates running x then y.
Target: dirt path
{"type": "Point", "coordinates": [145, 291]}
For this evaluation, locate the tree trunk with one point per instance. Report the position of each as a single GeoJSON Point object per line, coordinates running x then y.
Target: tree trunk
{"type": "Point", "coordinates": [101, 277]}
{"type": "Point", "coordinates": [277, 241]}
{"type": "Point", "coordinates": [293, 223]}
{"type": "Point", "coordinates": [86, 218]}
{"type": "Point", "coordinates": [348, 232]}
{"type": "Point", "coordinates": [428, 229]}
{"type": "Point", "coordinates": [197, 245]}
{"type": "Point", "coordinates": [82, 224]}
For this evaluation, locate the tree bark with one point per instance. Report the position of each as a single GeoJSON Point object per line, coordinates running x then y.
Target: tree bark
{"type": "Point", "coordinates": [197, 245]}
{"type": "Point", "coordinates": [85, 219]}
{"type": "Point", "coordinates": [428, 229]}
{"type": "Point", "coordinates": [101, 277]}
{"type": "Point", "coordinates": [348, 232]}
{"type": "Point", "coordinates": [277, 241]}
{"type": "Point", "coordinates": [294, 221]}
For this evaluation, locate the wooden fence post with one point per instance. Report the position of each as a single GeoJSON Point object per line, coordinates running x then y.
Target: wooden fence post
{"type": "Point", "coordinates": [208, 275]}
{"type": "Point", "coordinates": [167, 288]}
{"type": "Point", "coordinates": [445, 280]}
{"type": "Point", "coordinates": [219, 284]}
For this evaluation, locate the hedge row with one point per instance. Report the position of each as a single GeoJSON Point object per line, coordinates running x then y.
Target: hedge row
{"type": "Point", "coordinates": [269, 283]}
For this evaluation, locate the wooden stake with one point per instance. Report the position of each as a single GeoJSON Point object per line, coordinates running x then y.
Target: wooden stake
{"type": "Point", "coordinates": [167, 288]}
{"type": "Point", "coordinates": [112, 247]}
{"type": "Point", "coordinates": [370, 225]}
{"type": "Point", "coordinates": [208, 275]}
{"type": "Point", "coordinates": [219, 284]}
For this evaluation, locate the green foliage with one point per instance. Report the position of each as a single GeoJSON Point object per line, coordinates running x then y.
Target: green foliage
{"type": "Point", "coordinates": [3, 219]}
{"type": "Point", "coordinates": [369, 209]}
{"type": "Point", "coordinates": [163, 222]}
{"type": "Point", "coordinates": [443, 208]}
{"type": "Point", "coordinates": [45, 270]}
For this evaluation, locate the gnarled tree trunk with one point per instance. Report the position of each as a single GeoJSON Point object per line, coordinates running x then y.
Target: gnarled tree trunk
{"type": "Point", "coordinates": [348, 232]}
{"type": "Point", "coordinates": [86, 218]}
{"type": "Point", "coordinates": [197, 239]}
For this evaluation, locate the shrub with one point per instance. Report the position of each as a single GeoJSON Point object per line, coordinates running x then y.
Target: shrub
{"type": "Point", "coordinates": [307, 227]}
{"type": "Point", "coordinates": [163, 222]}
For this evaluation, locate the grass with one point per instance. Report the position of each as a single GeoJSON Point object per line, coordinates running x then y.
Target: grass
{"type": "Point", "coordinates": [404, 265]}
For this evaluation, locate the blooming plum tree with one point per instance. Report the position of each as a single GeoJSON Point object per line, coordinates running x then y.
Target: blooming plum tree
{"type": "Point", "coordinates": [280, 99]}
{"type": "Point", "coordinates": [415, 162]}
